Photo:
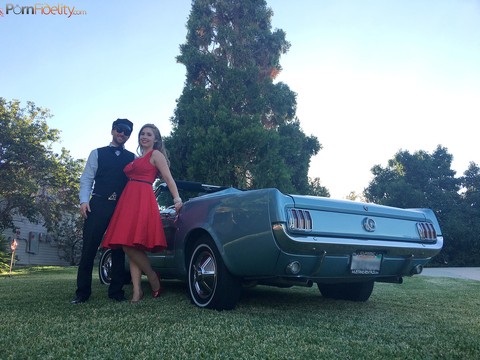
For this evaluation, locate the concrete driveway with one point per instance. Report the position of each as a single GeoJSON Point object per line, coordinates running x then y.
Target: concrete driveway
{"type": "Point", "coordinates": [472, 273]}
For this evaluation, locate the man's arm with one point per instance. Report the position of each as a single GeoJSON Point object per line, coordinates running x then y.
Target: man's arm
{"type": "Point", "coordinates": [86, 182]}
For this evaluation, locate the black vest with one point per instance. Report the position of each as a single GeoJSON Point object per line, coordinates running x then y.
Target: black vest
{"type": "Point", "coordinates": [110, 177]}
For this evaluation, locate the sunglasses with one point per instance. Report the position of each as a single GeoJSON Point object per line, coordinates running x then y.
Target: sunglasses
{"type": "Point", "coordinates": [121, 129]}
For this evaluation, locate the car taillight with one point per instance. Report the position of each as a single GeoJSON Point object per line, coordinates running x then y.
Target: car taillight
{"type": "Point", "coordinates": [426, 231]}
{"type": "Point", "coordinates": [299, 219]}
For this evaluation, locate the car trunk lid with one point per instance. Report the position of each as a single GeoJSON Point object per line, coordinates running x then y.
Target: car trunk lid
{"type": "Point", "coordinates": [324, 217]}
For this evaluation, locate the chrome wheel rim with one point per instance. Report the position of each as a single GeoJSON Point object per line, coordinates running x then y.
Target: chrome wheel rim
{"type": "Point", "coordinates": [204, 275]}
{"type": "Point", "coordinates": [107, 267]}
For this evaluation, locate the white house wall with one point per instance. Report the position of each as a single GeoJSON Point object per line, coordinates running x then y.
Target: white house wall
{"type": "Point", "coordinates": [35, 246]}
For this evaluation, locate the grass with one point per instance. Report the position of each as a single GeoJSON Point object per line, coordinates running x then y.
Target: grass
{"type": "Point", "coordinates": [424, 318]}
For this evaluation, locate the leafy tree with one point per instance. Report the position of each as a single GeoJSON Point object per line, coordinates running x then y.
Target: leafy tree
{"type": "Point", "coordinates": [470, 213]}
{"type": "Point", "coordinates": [414, 180]}
{"type": "Point", "coordinates": [68, 236]}
{"type": "Point", "coordinates": [471, 184]}
{"type": "Point", "coordinates": [354, 196]}
{"type": "Point", "coordinates": [427, 180]}
{"type": "Point", "coordinates": [4, 257]}
{"type": "Point", "coordinates": [35, 182]}
{"type": "Point", "coordinates": [316, 189]}
{"type": "Point", "coordinates": [233, 125]}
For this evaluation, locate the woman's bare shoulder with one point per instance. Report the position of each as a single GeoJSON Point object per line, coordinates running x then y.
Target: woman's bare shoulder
{"type": "Point", "coordinates": [158, 156]}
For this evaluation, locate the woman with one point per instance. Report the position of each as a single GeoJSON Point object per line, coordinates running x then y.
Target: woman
{"type": "Point", "coordinates": [136, 225]}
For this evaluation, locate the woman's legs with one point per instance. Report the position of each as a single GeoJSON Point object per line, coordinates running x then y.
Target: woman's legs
{"type": "Point", "coordinates": [142, 263]}
{"type": "Point", "coordinates": [136, 274]}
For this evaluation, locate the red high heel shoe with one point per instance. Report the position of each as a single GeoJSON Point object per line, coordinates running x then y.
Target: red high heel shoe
{"type": "Point", "coordinates": [156, 294]}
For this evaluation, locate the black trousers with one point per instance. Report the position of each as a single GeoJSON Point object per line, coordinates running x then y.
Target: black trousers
{"type": "Point", "coordinates": [94, 228]}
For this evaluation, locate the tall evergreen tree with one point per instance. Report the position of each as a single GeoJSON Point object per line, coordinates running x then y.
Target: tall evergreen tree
{"type": "Point", "coordinates": [233, 125]}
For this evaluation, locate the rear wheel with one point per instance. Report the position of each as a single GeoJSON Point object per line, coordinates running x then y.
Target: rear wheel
{"type": "Point", "coordinates": [360, 291]}
{"type": "Point", "coordinates": [210, 283]}
{"type": "Point", "coordinates": [105, 267]}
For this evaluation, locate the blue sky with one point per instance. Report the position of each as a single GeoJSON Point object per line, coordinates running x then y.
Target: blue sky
{"type": "Point", "coordinates": [372, 77]}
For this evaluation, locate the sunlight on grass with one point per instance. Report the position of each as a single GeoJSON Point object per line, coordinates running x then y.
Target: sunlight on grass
{"type": "Point", "coordinates": [35, 269]}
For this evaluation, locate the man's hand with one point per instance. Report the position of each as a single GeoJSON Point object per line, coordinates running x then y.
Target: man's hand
{"type": "Point", "coordinates": [84, 208]}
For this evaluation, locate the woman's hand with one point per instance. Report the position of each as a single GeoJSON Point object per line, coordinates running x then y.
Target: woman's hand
{"type": "Point", "coordinates": [178, 203]}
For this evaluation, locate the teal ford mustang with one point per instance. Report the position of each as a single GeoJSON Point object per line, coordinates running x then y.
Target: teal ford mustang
{"type": "Point", "coordinates": [224, 239]}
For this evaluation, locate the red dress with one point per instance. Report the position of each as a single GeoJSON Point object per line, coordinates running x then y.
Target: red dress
{"type": "Point", "coordinates": [136, 221]}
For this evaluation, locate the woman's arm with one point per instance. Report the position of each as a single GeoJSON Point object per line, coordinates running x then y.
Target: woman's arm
{"type": "Point", "coordinates": [160, 162]}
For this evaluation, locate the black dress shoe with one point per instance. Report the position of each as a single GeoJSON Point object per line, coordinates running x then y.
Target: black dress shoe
{"type": "Point", "coordinates": [118, 298]}
{"type": "Point", "coordinates": [78, 300]}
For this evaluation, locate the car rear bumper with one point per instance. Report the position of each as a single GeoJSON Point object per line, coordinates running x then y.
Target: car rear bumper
{"type": "Point", "coordinates": [327, 258]}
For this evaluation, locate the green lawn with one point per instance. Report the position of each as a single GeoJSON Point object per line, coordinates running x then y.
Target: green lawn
{"type": "Point", "coordinates": [424, 318]}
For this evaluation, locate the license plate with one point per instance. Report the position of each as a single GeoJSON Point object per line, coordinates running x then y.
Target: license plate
{"type": "Point", "coordinates": [366, 263]}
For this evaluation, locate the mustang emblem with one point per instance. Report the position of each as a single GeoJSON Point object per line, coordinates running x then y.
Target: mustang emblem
{"type": "Point", "coordinates": [369, 224]}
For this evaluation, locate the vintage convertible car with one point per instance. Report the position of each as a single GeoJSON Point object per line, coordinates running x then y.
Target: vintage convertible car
{"type": "Point", "coordinates": [224, 239]}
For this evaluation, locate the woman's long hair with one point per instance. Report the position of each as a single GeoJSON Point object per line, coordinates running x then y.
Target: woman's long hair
{"type": "Point", "coordinates": [158, 145]}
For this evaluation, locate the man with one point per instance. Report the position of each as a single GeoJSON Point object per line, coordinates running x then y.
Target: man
{"type": "Point", "coordinates": [104, 174]}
